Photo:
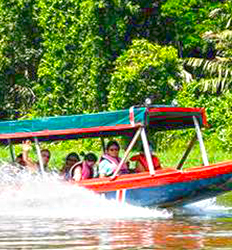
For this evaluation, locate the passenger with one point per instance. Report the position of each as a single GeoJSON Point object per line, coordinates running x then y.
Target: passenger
{"type": "Point", "coordinates": [141, 161]}
{"type": "Point", "coordinates": [70, 160]}
{"type": "Point", "coordinates": [110, 160]}
{"type": "Point", "coordinates": [34, 166]}
{"type": "Point", "coordinates": [19, 160]}
{"type": "Point", "coordinates": [84, 170]}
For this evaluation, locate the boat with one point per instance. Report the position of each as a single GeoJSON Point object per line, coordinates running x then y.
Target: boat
{"type": "Point", "coordinates": [165, 187]}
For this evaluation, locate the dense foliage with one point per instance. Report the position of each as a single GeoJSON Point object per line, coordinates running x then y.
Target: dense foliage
{"type": "Point", "coordinates": [144, 70]}
{"type": "Point", "coordinates": [76, 56]}
{"type": "Point", "coordinates": [20, 53]}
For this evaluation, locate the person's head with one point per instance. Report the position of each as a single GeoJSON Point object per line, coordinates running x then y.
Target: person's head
{"type": "Point", "coordinates": [90, 159]}
{"type": "Point", "coordinates": [19, 160]}
{"type": "Point", "coordinates": [71, 159]}
{"type": "Point", "coordinates": [45, 153]}
{"type": "Point", "coordinates": [112, 148]}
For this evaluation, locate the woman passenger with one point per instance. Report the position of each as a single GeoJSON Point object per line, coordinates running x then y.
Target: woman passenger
{"type": "Point", "coordinates": [71, 159]}
{"type": "Point", "coordinates": [110, 160]}
{"type": "Point", "coordinates": [84, 170]}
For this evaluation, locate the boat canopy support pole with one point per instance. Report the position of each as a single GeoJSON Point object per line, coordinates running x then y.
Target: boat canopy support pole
{"type": "Point", "coordinates": [39, 155]}
{"type": "Point", "coordinates": [200, 139]}
{"type": "Point", "coordinates": [12, 151]}
{"type": "Point", "coordinates": [131, 145]}
{"type": "Point", "coordinates": [103, 144]}
{"type": "Point", "coordinates": [190, 146]}
{"type": "Point", "coordinates": [147, 152]}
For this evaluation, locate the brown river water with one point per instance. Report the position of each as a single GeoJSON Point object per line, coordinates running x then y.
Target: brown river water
{"type": "Point", "coordinates": [45, 213]}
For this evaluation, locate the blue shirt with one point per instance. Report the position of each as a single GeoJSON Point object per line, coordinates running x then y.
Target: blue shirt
{"type": "Point", "coordinates": [106, 168]}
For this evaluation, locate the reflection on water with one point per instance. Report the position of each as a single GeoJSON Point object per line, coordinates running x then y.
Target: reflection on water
{"type": "Point", "coordinates": [51, 233]}
{"type": "Point", "coordinates": [47, 213]}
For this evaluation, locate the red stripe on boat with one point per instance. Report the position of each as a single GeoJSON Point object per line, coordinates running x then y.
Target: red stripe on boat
{"type": "Point", "coordinates": [120, 195]}
{"type": "Point", "coordinates": [201, 111]}
{"type": "Point", "coordinates": [162, 177]}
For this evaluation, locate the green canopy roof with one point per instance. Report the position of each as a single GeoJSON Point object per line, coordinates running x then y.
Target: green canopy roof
{"type": "Point", "coordinates": [101, 124]}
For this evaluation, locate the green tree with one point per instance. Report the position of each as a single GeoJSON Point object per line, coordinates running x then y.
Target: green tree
{"type": "Point", "coordinates": [218, 109]}
{"type": "Point", "coordinates": [81, 40]}
{"type": "Point", "coordinates": [145, 70]}
{"type": "Point", "coordinates": [20, 52]}
{"type": "Point", "coordinates": [184, 21]}
{"type": "Point", "coordinates": [215, 72]}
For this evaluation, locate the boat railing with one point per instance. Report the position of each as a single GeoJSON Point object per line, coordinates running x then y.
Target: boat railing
{"type": "Point", "coordinates": [140, 132]}
{"type": "Point", "coordinates": [131, 145]}
{"type": "Point", "coordinates": [197, 136]}
{"type": "Point", "coordinates": [200, 139]}
{"type": "Point", "coordinates": [38, 151]}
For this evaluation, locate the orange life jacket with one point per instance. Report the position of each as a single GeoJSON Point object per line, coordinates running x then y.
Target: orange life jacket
{"type": "Point", "coordinates": [141, 158]}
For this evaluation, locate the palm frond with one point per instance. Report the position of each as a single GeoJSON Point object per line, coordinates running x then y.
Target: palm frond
{"type": "Point", "coordinates": [216, 72]}
{"type": "Point", "coordinates": [215, 84]}
{"type": "Point", "coordinates": [214, 13]}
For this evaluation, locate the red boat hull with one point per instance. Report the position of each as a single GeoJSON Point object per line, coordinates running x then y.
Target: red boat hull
{"type": "Point", "coordinates": [167, 187]}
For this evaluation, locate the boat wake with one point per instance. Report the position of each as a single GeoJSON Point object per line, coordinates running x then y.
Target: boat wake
{"type": "Point", "coordinates": [206, 209]}
{"type": "Point", "coordinates": [22, 194]}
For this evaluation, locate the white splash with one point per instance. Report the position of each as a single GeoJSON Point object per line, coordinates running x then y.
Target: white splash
{"type": "Point", "coordinates": [206, 209]}
{"type": "Point", "coordinates": [22, 194]}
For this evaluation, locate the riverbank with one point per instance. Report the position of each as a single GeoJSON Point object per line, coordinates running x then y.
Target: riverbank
{"type": "Point", "coordinates": [169, 156]}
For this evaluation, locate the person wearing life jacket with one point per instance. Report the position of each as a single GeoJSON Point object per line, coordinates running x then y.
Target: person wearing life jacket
{"type": "Point", "coordinates": [83, 170]}
{"type": "Point", "coordinates": [29, 163]}
{"type": "Point", "coordinates": [70, 160]}
{"type": "Point", "coordinates": [110, 160]}
{"type": "Point", "coordinates": [142, 164]}
{"type": "Point", "coordinates": [19, 160]}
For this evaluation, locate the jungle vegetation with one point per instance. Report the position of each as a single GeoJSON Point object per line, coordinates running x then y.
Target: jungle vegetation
{"type": "Point", "coordinates": [61, 57]}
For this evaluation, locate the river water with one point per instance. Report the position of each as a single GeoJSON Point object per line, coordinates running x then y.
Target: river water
{"type": "Point", "coordinates": [46, 213]}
